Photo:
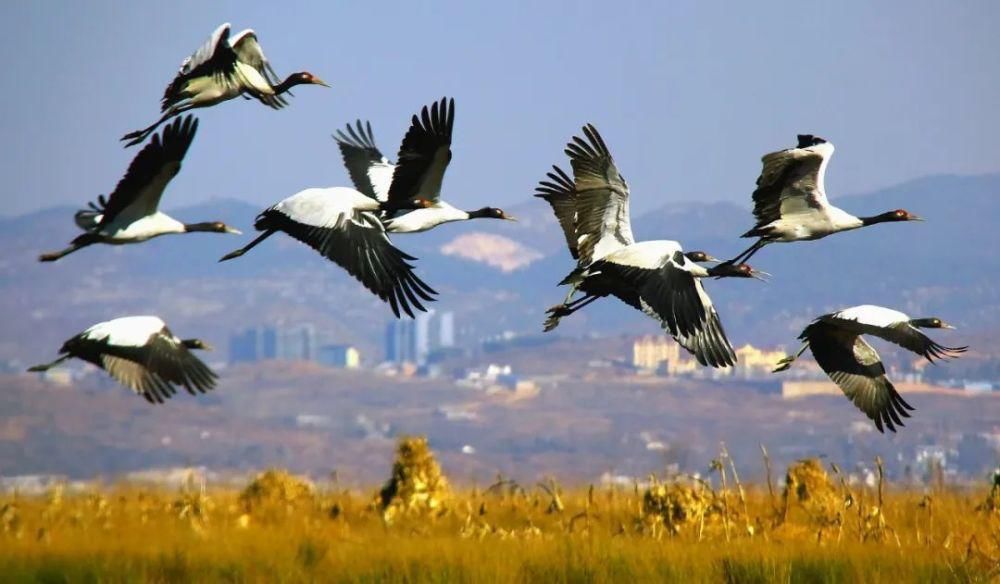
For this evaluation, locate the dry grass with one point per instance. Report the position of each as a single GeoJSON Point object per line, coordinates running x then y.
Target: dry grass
{"type": "Point", "coordinates": [681, 530]}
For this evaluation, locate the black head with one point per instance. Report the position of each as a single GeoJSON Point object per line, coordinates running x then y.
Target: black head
{"type": "Point", "coordinates": [891, 216]}
{"type": "Point", "coordinates": [901, 215]}
{"type": "Point", "coordinates": [196, 344]}
{"type": "Point", "coordinates": [700, 256]}
{"type": "Point", "coordinates": [728, 270]}
{"type": "Point", "coordinates": [304, 78]}
{"type": "Point", "coordinates": [212, 227]}
{"type": "Point", "coordinates": [490, 213]}
{"type": "Point", "coordinates": [932, 322]}
{"type": "Point", "coordinates": [807, 140]}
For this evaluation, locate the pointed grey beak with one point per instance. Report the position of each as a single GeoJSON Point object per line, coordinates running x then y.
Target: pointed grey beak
{"type": "Point", "coordinates": [915, 218]}
{"type": "Point", "coordinates": [947, 326]}
{"type": "Point", "coordinates": [759, 275]}
{"type": "Point", "coordinates": [233, 230]}
{"type": "Point", "coordinates": [509, 218]}
{"type": "Point", "coordinates": [318, 81]}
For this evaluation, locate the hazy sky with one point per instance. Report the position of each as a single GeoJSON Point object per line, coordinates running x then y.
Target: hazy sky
{"type": "Point", "coordinates": [689, 95]}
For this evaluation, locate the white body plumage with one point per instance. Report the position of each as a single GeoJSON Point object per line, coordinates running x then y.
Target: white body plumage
{"type": "Point", "coordinates": [323, 207]}
{"type": "Point", "coordinates": [427, 218]}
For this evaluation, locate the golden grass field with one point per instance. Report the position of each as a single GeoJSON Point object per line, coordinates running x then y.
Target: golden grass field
{"type": "Point", "coordinates": [418, 529]}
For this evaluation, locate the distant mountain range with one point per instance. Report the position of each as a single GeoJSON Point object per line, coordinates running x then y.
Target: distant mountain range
{"type": "Point", "coordinates": [497, 275]}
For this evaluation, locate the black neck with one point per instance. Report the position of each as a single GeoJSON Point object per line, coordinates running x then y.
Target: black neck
{"type": "Point", "coordinates": [882, 218]}
{"type": "Point", "coordinates": [285, 85]}
{"type": "Point", "coordinates": [478, 213]}
{"type": "Point", "coordinates": [209, 226]}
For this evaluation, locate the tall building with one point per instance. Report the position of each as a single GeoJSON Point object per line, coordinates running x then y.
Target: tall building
{"type": "Point", "coordinates": [447, 329]}
{"type": "Point", "coordinates": [297, 343]}
{"type": "Point", "coordinates": [411, 341]}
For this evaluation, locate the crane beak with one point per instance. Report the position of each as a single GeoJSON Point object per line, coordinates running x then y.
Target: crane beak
{"type": "Point", "coordinates": [945, 325]}
{"type": "Point", "coordinates": [510, 218]}
{"type": "Point", "coordinates": [318, 81]}
{"type": "Point", "coordinates": [233, 230]}
{"type": "Point", "coordinates": [915, 218]}
{"type": "Point", "coordinates": [712, 259]}
{"type": "Point", "coordinates": [759, 275]}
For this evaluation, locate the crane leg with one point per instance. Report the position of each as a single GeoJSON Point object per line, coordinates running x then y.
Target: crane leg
{"type": "Point", "coordinates": [55, 255]}
{"type": "Point", "coordinates": [557, 312]}
{"type": "Point", "coordinates": [247, 247]}
{"type": "Point", "coordinates": [48, 366]}
{"type": "Point", "coordinates": [785, 363]}
{"type": "Point", "coordinates": [748, 252]}
{"type": "Point", "coordinates": [138, 136]}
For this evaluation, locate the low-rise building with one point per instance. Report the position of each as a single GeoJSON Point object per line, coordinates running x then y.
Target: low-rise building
{"type": "Point", "coordinates": [340, 356]}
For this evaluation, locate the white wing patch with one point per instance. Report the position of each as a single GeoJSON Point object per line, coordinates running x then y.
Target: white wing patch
{"type": "Point", "coordinates": [649, 255]}
{"type": "Point", "coordinates": [380, 175]}
{"type": "Point", "coordinates": [877, 316]}
{"type": "Point", "coordinates": [129, 331]}
{"type": "Point", "coordinates": [205, 52]}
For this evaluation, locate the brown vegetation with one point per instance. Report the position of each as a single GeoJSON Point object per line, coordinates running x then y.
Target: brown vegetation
{"type": "Point", "coordinates": [685, 529]}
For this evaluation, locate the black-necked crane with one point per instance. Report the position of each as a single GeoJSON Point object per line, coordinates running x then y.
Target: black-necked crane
{"type": "Point", "coordinates": [837, 344]}
{"type": "Point", "coordinates": [142, 354]}
{"type": "Point", "coordinates": [131, 214]}
{"type": "Point", "coordinates": [423, 159]}
{"type": "Point", "coordinates": [790, 201]}
{"type": "Point", "coordinates": [656, 277]}
{"type": "Point", "coordinates": [220, 70]}
{"type": "Point", "coordinates": [343, 225]}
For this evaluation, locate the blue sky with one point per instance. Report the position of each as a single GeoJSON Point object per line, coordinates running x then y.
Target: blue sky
{"type": "Point", "coordinates": [689, 95]}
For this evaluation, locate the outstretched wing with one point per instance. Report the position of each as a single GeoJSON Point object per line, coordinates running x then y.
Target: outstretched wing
{"type": "Point", "coordinates": [370, 171]}
{"type": "Point", "coordinates": [791, 182]}
{"type": "Point", "coordinates": [358, 243]}
{"type": "Point", "coordinates": [912, 339]}
{"type": "Point", "coordinates": [603, 223]}
{"type": "Point", "coordinates": [560, 194]}
{"type": "Point", "coordinates": [215, 58]}
{"type": "Point", "coordinates": [675, 298]}
{"type": "Point", "coordinates": [138, 193]}
{"type": "Point", "coordinates": [857, 369]}
{"type": "Point", "coordinates": [248, 51]}
{"type": "Point", "coordinates": [152, 370]}
{"type": "Point", "coordinates": [424, 154]}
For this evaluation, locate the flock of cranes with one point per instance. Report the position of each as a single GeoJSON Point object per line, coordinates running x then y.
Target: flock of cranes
{"type": "Point", "coordinates": [350, 226]}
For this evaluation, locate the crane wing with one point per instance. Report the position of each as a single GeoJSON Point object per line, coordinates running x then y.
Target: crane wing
{"type": "Point", "coordinates": [603, 223]}
{"type": "Point", "coordinates": [152, 370]}
{"type": "Point", "coordinates": [370, 171]}
{"type": "Point", "coordinates": [358, 243]}
{"type": "Point", "coordinates": [138, 193]}
{"type": "Point", "coordinates": [677, 299]}
{"type": "Point", "coordinates": [248, 51]}
{"type": "Point", "coordinates": [789, 184]}
{"type": "Point", "coordinates": [424, 154]}
{"type": "Point", "coordinates": [215, 58]}
{"type": "Point", "coordinates": [560, 194]}
{"type": "Point", "coordinates": [912, 339]}
{"type": "Point", "coordinates": [857, 369]}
